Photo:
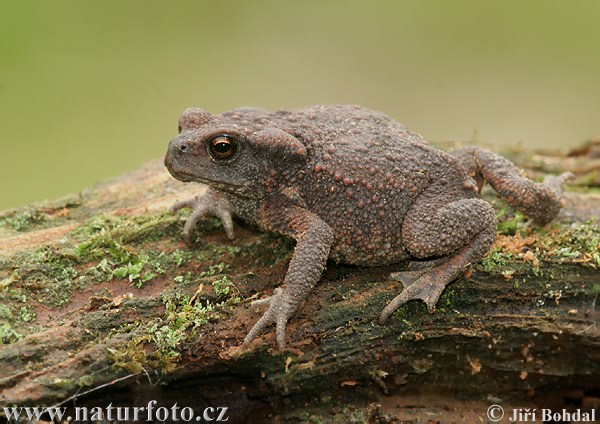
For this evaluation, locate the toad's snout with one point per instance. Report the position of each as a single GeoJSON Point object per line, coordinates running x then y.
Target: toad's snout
{"type": "Point", "coordinates": [177, 147]}
{"type": "Point", "coordinates": [178, 155]}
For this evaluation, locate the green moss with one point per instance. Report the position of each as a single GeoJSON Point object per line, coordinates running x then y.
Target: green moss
{"type": "Point", "coordinates": [175, 259]}
{"type": "Point", "coordinates": [6, 282]}
{"type": "Point", "coordinates": [129, 356]}
{"type": "Point", "coordinates": [8, 334]}
{"type": "Point", "coordinates": [517, 282]}
{"type": "Point", "coordinates": [46, 275]}
{"type": "Point", "coordinates": [63, 383]}
{"type": "Point", "coordinates": [42, 215]}
{"type": "Point", "coordinates": [215, 269]}
{"type": "Point", "coordinates": [85, 381]}
{"type": "Point", "coordinates": [109, 235]}
{"type": "Point", "coordinates": [181, 319]}
{"type": "Point", "coordinates": [24, 220]}
{"type": "Point", "coordinates": [13, 295]}
{"type": "Point", "coordinates": [222, 286]}
{"type": "Point", "coordinates": [26, 314]}
{"type": "Point", "coordinates": [134, 248]}
{"type": "Point", "coordinates": [577, 241]}
{"type": "Point", "coordinates": [510, 221]}
{"type": "Point", "coordinates": [103, 246]}
{"type": "Point", "coordinates": [185, 279]}
{"type": "Point", "coordinates": [162, 338]}
{"type": "Point", "coordinates": [5, 312]}
{"type": "Point", "coordinates": [115, 240]}
{"type": "Point", "coordinates": [133, 272]}
{"type": "Point", "coordinates": [450, 299]}
{"type": "Point", "coordinates": [111, 239]}
{"type": "Point", "coordinates": [495, 260]}
{"type": "Point", "coordinates": [125, 229]}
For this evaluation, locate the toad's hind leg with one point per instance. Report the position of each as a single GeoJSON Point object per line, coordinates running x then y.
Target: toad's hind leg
{"type": "Point", "coordinates": [539, 201]}
{"type": "Point", "coordinates": [462, 231]}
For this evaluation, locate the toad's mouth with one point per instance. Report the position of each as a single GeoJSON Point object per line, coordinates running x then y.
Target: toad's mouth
{"type": "Point", "coordinates": [183, 176]}
{"type": "Point", "coordinates": [241, 188]}
{"type": "Point", "coordinates": [187, 177]}
{"type": "Point", "coordinates": [237, 187]}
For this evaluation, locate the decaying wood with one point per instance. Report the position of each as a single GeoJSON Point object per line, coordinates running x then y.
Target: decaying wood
{"type": "Point", "coordinates": [525, 331]}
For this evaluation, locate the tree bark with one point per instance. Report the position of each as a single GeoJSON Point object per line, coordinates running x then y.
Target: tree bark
{"type": "Point", "coordinates": [92, 312]}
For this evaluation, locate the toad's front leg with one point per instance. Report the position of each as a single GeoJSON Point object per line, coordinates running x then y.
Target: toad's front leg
{"type": "Point", "coordinates": [313, 241]}
{"type": "Point", "coordinates": [210, 203]}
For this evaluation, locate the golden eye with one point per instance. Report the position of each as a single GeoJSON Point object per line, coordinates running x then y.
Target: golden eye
{"type": "Point", "coordinates": [222, 147]}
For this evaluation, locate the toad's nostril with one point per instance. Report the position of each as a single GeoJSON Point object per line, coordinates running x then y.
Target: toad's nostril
{"type": "Point", "coordinates": [183, 147]}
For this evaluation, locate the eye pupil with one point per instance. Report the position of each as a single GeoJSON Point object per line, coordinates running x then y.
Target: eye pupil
{"type": "Point", "coordinates": [222, 147]}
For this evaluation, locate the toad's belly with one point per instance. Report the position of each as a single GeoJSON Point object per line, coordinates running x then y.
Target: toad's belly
{"type": "Point", "coordinates": [361, 246]}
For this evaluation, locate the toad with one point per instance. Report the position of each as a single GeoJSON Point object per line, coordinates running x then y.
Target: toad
{"type": "Point", "coordinates": [351, 185]}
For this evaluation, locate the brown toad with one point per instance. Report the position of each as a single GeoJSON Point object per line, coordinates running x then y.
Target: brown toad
{"type": "Point", "coordinates": [352, 185]}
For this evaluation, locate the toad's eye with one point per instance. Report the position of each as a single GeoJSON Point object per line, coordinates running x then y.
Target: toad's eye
{"type": "Point", "coordinates": [222, 147]}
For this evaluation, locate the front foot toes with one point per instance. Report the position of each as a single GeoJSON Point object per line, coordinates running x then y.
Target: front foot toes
{"type": "Point", "coordinates": [424, 288]}
{"type": "Point", "coordinates": [202, 206]}
{"type": "Point", "coordinates": [182, 204]}
{"type": "Point", "coordinates": [191, 223]}
{"type": "Point", "coordinates": [277, 313]}
{"type": "Point", "coordinates": [198, 211]}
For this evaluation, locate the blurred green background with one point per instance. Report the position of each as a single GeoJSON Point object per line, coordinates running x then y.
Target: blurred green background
{"type": "Point", "coordinates": [89, 90]}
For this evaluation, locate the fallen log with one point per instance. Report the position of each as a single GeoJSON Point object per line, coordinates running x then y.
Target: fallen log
{"type": "Point", "coordinates": [101, 302]}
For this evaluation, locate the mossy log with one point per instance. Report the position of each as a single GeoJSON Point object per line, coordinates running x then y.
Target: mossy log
{"type": "Point", "coordinates": [101, 301]}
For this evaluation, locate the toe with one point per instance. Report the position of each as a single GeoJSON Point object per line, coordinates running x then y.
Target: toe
{"type": "Point", "coordinates": [406, 277]}
{"type": "Point", "coordinates": [556, 182]}
{"type": "Point", "coordinates": [262, 302]}
{"type": "Point", "coordinates": [267, 300]}
{"type": "Point", "coordinates": [228, 226]}
{"type": "Point", "coordinates": [280, 331]}
{"type": "Point", "coordinates": [276, 313]}
{"type": "Point", "coordinates": [225, 216]}
{"type": "Point", "coordinates": [188, 203]}
{"type": "Point", "coordinates": [265, 320]}
{"type": "Point", "coordinates": [392, 306]}
{"type": "Point", "coordinates": [425, 289]}
{"type": "Point", "coordinates": [190, 224]}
